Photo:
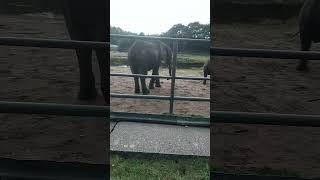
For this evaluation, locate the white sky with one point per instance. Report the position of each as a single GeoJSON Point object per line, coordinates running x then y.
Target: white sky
{"type": "Point", "coordinates": [157, 16]}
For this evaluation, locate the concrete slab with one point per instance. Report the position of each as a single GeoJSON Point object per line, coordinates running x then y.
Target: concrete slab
{"type": "Point", "coordinates": [156, 138]}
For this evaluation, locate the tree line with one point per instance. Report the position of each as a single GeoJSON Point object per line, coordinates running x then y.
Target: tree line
{"type": "Point", "coordinates": [194, 30]}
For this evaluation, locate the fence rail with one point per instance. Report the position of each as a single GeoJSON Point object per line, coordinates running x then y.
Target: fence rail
{"type": "Point", "coordinates": [158, 38]}
{"type": "Point", "coordinates": [156, 76]}
{"type": "Point", "coordinates": [54, 109]}
{"type": "Point", "coordinates": [181, 98]}
{"type": "Point", "coordinates": [265, 118]}
{"type": "Point", "coordinates": [51, 43]}
{"type": "Point", "coordinates": [264, 53]}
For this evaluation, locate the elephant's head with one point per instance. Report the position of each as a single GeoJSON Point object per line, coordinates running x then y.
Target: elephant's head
{"type": "Point", "coordinates": [166, 53]}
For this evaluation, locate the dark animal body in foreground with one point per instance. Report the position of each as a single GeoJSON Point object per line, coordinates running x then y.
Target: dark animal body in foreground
{"type": "Point", "coordinates": [309, 28]}
{"type": "Point", "coordinates": [144, 56]}
{"type": "Point", "coordinates": [88, 21]}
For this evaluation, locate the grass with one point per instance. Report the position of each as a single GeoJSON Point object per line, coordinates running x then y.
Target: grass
{"type": "Point", "coordinates": [158, 167]}
{"type": "Point", "coordinates": [183, 60]}
{"type": "Point", "coordinates": [140, 166]}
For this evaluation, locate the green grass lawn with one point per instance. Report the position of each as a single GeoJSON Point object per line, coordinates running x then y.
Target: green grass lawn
{"type": "Point", "coordinates": [149, 167]}
{"type": "Point", "coordinates": [183, 60]}
{"type": "Point", "coordinates": [140, 166]}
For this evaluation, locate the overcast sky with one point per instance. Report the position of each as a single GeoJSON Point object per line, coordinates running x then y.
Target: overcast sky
{"type": "Point", "coordinates": [157, 16]}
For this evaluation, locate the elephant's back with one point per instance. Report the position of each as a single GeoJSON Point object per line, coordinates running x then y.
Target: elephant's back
{"type": "Point", "coordinates": [143, 53]}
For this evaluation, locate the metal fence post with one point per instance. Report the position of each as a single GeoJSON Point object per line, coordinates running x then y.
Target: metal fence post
{"type": "Point", "coordinates": [173, 74]}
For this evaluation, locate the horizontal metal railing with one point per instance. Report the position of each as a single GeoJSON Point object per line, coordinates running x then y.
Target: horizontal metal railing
{"type": "Point", "coordinates": [265, 118]}
{"type": "Point", "coordinates": [181, 98]}
{"type": "Point", "coordinates": [158, 38]}
{"type": "Point", "coordinates": [157, 76]}
{"type": "Point", "coordinates": [264, 53]}
{"type": "Point", "coordinates": [54, 109]}
{"type": "Point", "coordinates": [51, 43]}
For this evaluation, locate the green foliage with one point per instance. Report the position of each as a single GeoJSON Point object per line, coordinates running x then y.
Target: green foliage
{"type": "Point", "coordinates": [194, 30]}
{"type": "Point", "coordinates": [140, 167]}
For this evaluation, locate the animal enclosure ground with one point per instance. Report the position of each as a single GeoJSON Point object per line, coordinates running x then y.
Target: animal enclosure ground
{"type": "Point", "coordinates": [51, 76]}
{"type": "Point", "coordinates": [264, 85]}
{"type": "Point", "coordinates": [125, 85]}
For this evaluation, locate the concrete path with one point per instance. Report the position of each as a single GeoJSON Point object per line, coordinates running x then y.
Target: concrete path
{"type": "Point", "coordinates": [156, 138]}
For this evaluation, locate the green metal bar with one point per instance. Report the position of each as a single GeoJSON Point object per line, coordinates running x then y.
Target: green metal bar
{"type": "Point", "coordinates": [54, 109]}
{"type": "Point", "coordinates": [173, 74]}
{"type": "Point", "coordinates": [116, 95]}
{"type": "Point", "coordinates": [157, 38]}
{"type": "Point", "coordinates": [264, 53]}
{"type": "Point", "coordinates": [265, 118]}
{"type": "Point", "coordinates": [182, 98]}
{"type": "Point", "coordinates": [52, 43]}
{"type": "Point", "coordinates": [160, 119]}
{"type": "Point", "coordinates": [156, 76]}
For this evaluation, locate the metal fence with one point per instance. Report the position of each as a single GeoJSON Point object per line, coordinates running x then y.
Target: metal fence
{"type": "Point", "coordinates": [49, 169]}
{"type": "Point", "coordinates": [103, 111]}
{"type": "Point", "coordinates": [173, 76]}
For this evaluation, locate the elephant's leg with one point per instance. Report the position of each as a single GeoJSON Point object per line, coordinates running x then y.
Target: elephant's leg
{"type": "Point", "coordinates": [104, 74]}
{"type": "Point", "coordinates": [157, 79]}
{"type": "Point", "coordinates": [99, 33]}
{"type": "Point", "coordinates": [136, 81]}
{"type": "Point", "coordinates": [205, 74]}
{"type": "Point", "coordinates": [136, 85]}
{"type": "Point", "coordinates": [305, 46]}
{"type": "Point", "coordinates": [145, 91]}
{"type": "Point", "coordinates": [151, 85]}
{"type": "Point", "coordinates": [87, 81]}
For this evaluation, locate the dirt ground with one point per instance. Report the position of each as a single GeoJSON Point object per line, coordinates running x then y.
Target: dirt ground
{"type": "Point", "coordinates": [51, 75]}
{"type": "Point", "coordinates": [264, 85]}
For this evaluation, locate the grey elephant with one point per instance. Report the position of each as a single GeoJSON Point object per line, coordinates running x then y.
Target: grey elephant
{"type": "Point", "coordinates": [309, 28]}
{"type": "Point", "coordinates": [144, 56]}
{"type": "Point", "coordinates": [206, 71]}
{"type": "Point", "coordinates": [88, 21]}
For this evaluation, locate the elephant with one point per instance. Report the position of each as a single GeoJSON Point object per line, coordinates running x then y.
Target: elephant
{"type": "Point", "coordinates": [144, 56]}
{"type": "Point", "coordinates": [88, 21]}
{"type": "Point", "coordinates": [309, 28]}
{"type": "Point", "coordinates": [206, 71]}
